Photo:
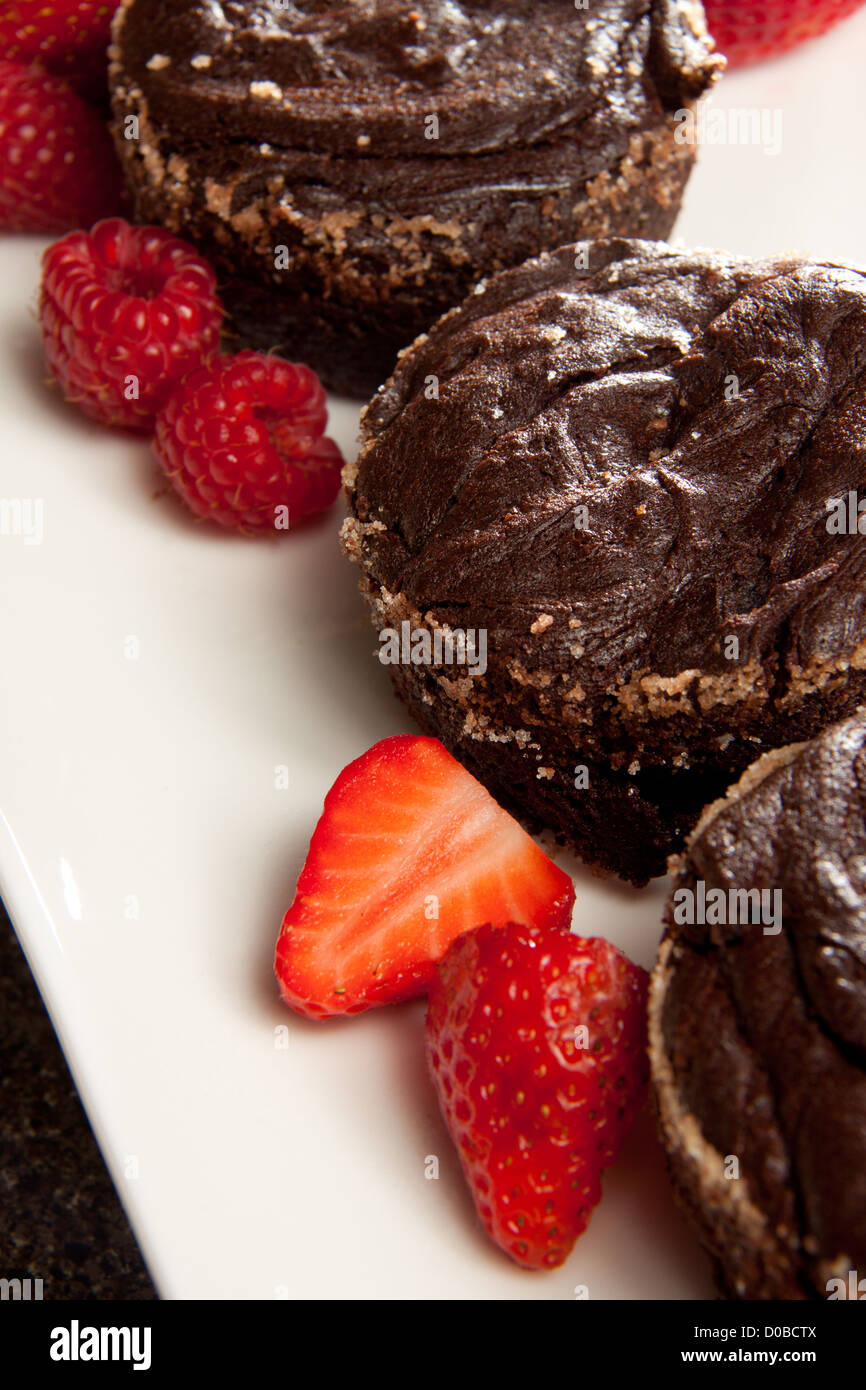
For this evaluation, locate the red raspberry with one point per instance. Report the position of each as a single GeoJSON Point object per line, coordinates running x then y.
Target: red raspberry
{"type": "Point", "coordinates": [536, 1042]}
{"type": "Point", "coordinates": [126, 313]}
{"type": "Point", "coordinates": [747, 31]}
{"type": "Point", "coordinates": [67, 37]}
{"type": "Point", "coordinates": [242, 442]}
{"type": "Point", "coordinates": [58, 168]}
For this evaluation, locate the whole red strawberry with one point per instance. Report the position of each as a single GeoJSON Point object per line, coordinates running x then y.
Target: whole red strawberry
{"type": "Point", "coordinates": [747, 31]}
{"type": "Point", "coordinates": [242, 443]}
{"type": "Point", "coordinates": [126, 313]}
{"type": "Point", "coordinates": [536, 1043]}
{"type": "Point", "coordinates": [58, 168]}
{"type": "Point", "coordinates": [66, 37]}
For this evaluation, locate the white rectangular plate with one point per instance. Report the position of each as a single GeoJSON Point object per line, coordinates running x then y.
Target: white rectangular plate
{"type": "Point", "coordinates": [156, 674]}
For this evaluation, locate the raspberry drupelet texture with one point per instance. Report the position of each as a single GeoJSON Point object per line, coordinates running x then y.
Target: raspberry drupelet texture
{"type": "Point", "coordinates": [127, 313]}
{"type": "Point", "coordinates": [243, 443]}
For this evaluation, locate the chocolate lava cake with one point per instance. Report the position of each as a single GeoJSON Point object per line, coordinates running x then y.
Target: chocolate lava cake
{"type": "Point", "coordinates": [352, 169]}
{"type": "Point", "coordinates": [617, 461]}
{"type": "Point", "coordinates": [758, 1037]}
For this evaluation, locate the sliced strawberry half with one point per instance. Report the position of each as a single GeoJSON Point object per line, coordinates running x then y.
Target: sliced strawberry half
{"type": "Point", "coordinates": [410, 851]}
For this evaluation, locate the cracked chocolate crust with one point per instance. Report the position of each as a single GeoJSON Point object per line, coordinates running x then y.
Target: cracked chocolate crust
{"type": "Point", "coordinates": [309, 128]}
{"type": "Point", "coordinates": [624, 479]}
{"type": "Point", "coordinates": [758, 1042]}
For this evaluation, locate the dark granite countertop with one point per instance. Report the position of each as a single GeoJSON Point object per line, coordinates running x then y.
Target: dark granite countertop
{"type": "Point", "coordinates": [60, 1219]}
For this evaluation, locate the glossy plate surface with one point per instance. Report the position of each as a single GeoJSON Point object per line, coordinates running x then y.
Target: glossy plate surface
{"type": "Point", "coordinates": [156, 674]}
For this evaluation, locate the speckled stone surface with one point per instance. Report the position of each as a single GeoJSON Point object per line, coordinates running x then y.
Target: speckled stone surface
{"type": "Point", "coordinates": [60, 1220]}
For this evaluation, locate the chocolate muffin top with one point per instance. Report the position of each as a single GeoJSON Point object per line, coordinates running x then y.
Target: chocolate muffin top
{"type": "Point", "coordinates": [760, 1036]}
{"type": "Point", "coordinates": [360, 78]}
{"type": "Point", "coordinates": [616, 470]}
